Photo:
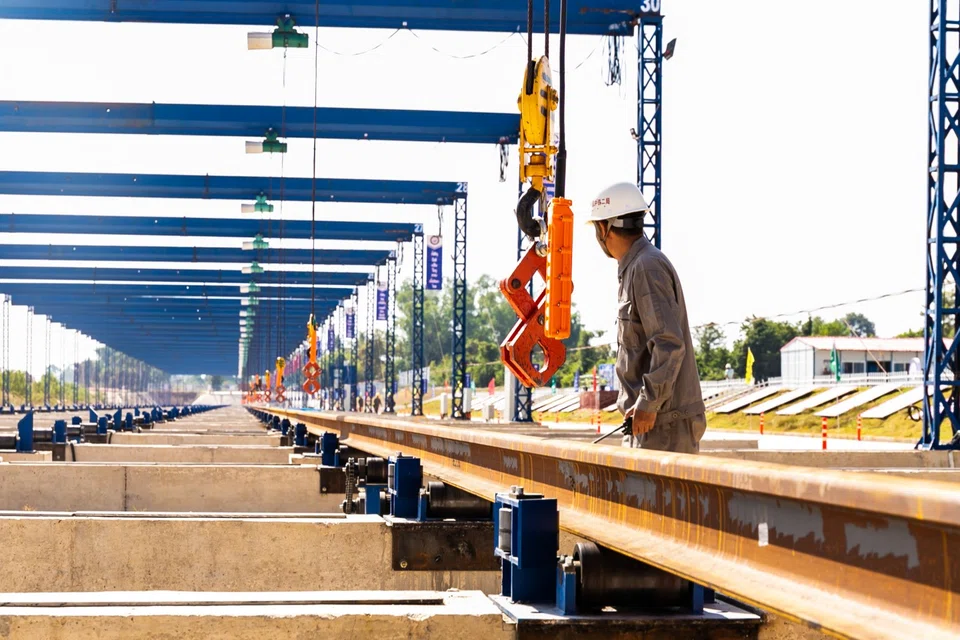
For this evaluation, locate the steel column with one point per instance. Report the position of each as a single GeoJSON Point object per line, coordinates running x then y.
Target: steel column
{"type": "Point", "coordinates": [371, 339]}
{"type": "Point", "coordinates": [46, 363]}
{"type": "Point", "coordinates": [355, 353]}
{"type": "Point", "coordinates": [6, 351]}
{"type": "Point", "coordinates": [459, 351]}
{"type": "Point", "coordinates": [940, 366]}
{"type": "Point", "coordinates": [390, 371]}
{"type": "Point", "coordinates": [649, 113]}
{"type": "Point", "coordinates": [416, 403]}
{"type": "Point", "coordinates": [28, 376]}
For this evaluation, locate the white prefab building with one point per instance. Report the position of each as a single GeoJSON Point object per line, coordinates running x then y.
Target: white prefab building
{"type": "Point", "coordinates": [805, 358]}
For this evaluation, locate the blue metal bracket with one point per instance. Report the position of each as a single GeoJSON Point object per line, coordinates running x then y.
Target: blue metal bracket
{"type": "Point", "coordinates": [25, 433]}
{"type": "Point", "coordinates": [527, 529]}
{"type": "Point", "coordinates": [404, 479]}
{"type": "Point", "coordinates": [300, 435]}
{"type": "Point", "coordinates": [329, 449]}
{"type": "Point", "coordinates": [371, 502]}
{"type": "Point", "coordinates": [59, 431]}
{"type": "Point", "coordinates": [284, 427]}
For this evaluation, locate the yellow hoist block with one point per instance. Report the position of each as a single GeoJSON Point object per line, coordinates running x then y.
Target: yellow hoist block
{"type": "Point", "coordinates": [281, 365]}
{"type": "Point", "coordinates": [312, 340]}
{"type": "Point", "coordinates": [537, 102]}
{"type": "Point", "coordinates": [266, 377]}
{"type": "Point", "coordinates": [559, 280]}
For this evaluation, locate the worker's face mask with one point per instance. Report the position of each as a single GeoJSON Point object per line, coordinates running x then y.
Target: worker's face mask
{"type": "Point", "coordinates": [602, 232]}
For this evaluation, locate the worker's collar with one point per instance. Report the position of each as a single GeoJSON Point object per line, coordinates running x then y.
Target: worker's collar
{"type": "Point", "coordinates": [639, 245]}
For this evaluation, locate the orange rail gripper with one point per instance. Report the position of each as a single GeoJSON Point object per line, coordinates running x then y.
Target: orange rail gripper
{"type": "Point", "coordinates": [516, 351]}
{"type": "Point", "coordinates": [559, 278]}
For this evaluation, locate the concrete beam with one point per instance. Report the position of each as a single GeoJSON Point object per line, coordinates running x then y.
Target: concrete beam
{"type": "Point", "coordinates": [253, 616]}
{"type": "Point", "coordinates": [81, 486]}
{"type": "Point", "coordinates": [202, 454]}
{"type": "Point", "coordinates": [35, 456]}
{"type": "Point", "coordinates": [149, 438]}
{"type": "Point", "coordinates": [69, 552]}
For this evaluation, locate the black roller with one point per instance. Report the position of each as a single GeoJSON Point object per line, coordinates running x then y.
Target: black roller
{"type": "Point", "coordinates": [373, 470]}
{"type": "Point", "coordinates": [607, 578]}
{"type": "Point", "coordinates": [445, 501]}
{"type": "Point", "coordinates": [42, 435]}
{"type": "Point", "coordinates": [8, 441]}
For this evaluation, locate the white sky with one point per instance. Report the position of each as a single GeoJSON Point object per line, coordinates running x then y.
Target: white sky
{"type": "Point", "coordinates": [794, 141]}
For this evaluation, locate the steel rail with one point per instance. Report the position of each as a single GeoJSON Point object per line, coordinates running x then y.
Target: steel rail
{"type": "Point", "coordinates": [855, 555]}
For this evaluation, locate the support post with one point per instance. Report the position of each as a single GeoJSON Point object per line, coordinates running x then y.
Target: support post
{"type": "Point", "coordinates": [649, 118]}
{"type": "Point", "coordinates": [28, 376]}
{"type": "Point", "coordinates": [941, 362]}
{"type": "Point", "coordinates": [6, 351]}
{"type": "Point", "coordinates": [369, 361]}
{"type": "Point", "coordinates": [390, 372]}
{"type": "Point", "coordinates": [417, 325]}
{"type": "Point", "coordinates": [459, 350]}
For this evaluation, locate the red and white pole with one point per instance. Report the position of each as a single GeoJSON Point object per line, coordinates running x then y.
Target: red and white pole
{"type": "Point", "coordinates": [761, 423]}
{"type": "Point", "coordinates": [859, 425]}
{"type": "Point", "coordinates": [596, 397]}
{"type": "Point", "coordinates": [823, 432]}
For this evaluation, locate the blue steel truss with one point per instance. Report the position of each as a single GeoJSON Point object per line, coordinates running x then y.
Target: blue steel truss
{"type": "Point", "coordinates": [370, 340]}
{"type": "Point", "coordinates": [209, 227]}
{"type": "Point", "coordinates": [459, 350]}
{"type": "Point", "coordinates": [941, 364]}
{"type": "Point", "coordinates": [416, 402]}
{"type": "Point", "coordinates": [129, 185]}
{"type": "Point", "coordinates": [211, 276]}
{"type": "Point", "coordinates": [586, 17]}
{"type": "Point", "coordinates": [292, 257]}
{"type": "Point", "coordinates": [74, 289]}
{"type": "Point", "coordinates": [649, 119]}
{"type": "Point", "coordinates": [255, 121]}
{"type": "Point", "coordinates": [390, 371]}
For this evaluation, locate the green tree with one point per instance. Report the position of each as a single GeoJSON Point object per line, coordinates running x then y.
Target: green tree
{"type": "Point", "coordinates": [912, 333]}
{"type": "Point", "coordinates": [860, 325]}
{"type": "Point", "coordinates": [216, 383]}
{"type": "Point", "coordinates": [817, 326]}
{"type": "Point", "coordinates": [764, 338]}
{"type": "Point", "coordinates": [712, 353]}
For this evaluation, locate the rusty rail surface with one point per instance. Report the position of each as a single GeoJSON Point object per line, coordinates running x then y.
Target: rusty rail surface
{"type": "Point", "coordinates": [856, 555]}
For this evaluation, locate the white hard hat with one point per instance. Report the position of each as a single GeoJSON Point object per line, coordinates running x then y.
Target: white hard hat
{"type": "Point", "coordinates": [616, 201]}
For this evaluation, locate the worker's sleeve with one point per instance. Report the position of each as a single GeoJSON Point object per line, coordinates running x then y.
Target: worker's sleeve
{"type": "Point", "coordinates": [656, 304]}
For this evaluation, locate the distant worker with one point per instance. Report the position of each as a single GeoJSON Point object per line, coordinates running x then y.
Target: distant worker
{"type": "Point", "coordinates": [728, 372]}
{"type": "Point", "coordinates": [656, 365]}
{"type": "Point", "coordinates": [376, 403]}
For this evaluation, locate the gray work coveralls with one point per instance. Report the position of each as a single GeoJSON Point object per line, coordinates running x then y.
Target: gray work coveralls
{"type": "Point", "coordinates": [655, 356]}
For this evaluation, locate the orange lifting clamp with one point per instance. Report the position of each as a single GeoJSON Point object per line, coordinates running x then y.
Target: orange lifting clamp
{"type": "Point", "coordinates": [311, 371]}
{"type": "Point", "coordinates": [281, 390]}
{"type": "Point", "coordinates": [544, 322]}
{"type": "Point", "coordinates": [266, 386]}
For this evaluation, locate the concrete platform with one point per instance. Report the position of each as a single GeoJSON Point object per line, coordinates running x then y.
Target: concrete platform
{"type": "Point", "coordinates": [186, 438]}
{"type": "Point", "coordinates": [252, 616]}
{"type": "Point", "coordinates": [202, 454]}
{"type": "Point", "coordinates": [45, 552]}
{"type": "Point", "coordinates": [79, 486]}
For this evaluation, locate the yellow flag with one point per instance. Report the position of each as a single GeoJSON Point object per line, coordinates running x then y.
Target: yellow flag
{"type": "Point", "coordinates": [749, 366]}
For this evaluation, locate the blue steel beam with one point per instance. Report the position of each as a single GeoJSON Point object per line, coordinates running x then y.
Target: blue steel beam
{"type": "Point", "coordinates": [132, 302]}
{"type": "Point", "coordinates": [585, 17]}
{"type": "Point", "coordinates": [220, 276]}
{"type": "Point", "coordinates": [291, 257]}
{"type": "Point", "coordinates": [129, 185]}
{"type": "Point", "coordinates": [53, 289]}
{"type": "Point", "coordinates": [211, 227]}
{"type": "Point", "coordinates": [254, 121]}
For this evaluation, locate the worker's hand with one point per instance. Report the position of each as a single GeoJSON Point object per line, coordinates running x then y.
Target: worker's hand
{"type": "Point", "coordinates": [643, 421]}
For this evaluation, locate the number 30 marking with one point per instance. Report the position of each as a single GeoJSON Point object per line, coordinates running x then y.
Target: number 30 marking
{"type": "Point", "coordinates": [652, 6]}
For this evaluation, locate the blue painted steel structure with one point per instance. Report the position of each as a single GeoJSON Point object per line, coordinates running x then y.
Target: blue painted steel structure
{"type": "Point", "coordinates": [211, 276]}
{"type": "Point", "coordinates": [129, 185]}
{"type": "Point", "coordinates": [459, 351]}
{"type": "Point", "coordinates": [941, 364]}
{"type": "Point", "coordinates": [68, 289]}
{"type": "Point", "coordinates": [209, 227]}
{"type": "Point", "coordinates": [590, 17]}
{"type": "Point", "coordinates": [254, 121]}
{"type": "Point", "coordinates": [291, 257]}
{"type": "Point", "coordinates": [416, 329]}
{"type": "Point", "coordinates": [649, 120]}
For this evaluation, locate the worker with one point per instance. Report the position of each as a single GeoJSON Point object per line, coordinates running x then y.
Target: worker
{"type": "Point", "coordinates": [376, 403]}
{"type": "Point", "coordinates": [656, 364]}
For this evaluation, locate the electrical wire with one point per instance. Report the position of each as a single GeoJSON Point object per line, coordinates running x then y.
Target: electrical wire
{"type": "Point", "coordinates": [351, 54]}
{"type": "Point", "coordinates": [469, 55]}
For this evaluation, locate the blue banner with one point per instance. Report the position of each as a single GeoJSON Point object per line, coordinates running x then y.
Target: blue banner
{"type": "Point", "coordinates": [434, 263]}
{"type": "Point", "coordinates": [606, 373]}
{"type": "Point", "coordinates": [549, 189]}
{"type": "Point", "coordinates": [383, 299]}
{"type": "Point", "coordinates": [576, 381]}
{"type": "Point", "coordinates": [351, 322]}
{"type": "Point", "coordinates": [331, 340]}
